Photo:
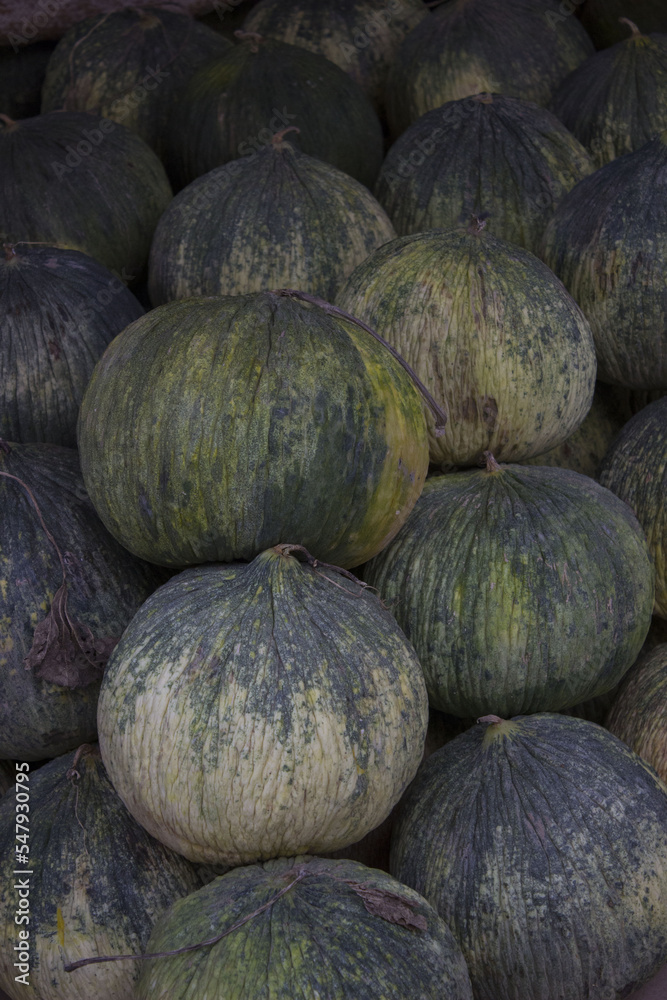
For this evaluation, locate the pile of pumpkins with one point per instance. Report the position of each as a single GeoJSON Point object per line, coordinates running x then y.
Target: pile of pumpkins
{"type": "Point", "coordinates": [333, 465]}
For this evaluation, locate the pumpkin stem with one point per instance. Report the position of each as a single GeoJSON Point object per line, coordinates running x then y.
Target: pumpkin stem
{"type": "Point", "coordinates": [250, 36]}
{"type": "Point", "coordinates": [287, 549]}
{"type": "Point", "coordinates": [85, 750]}
{"type": "Point", "coordinates": [436, 410]}
{"type": "Point", "coordinates": [9, 250]}
{"type": "Point", "coordinates": [277, 139]}
{"type": "Point", "coordinates": [9, 122]}
{"type": "Point", "coordinates": [493, 719]}
{"type": "Point", "coordinates": [633, 27]}
{"type": "Point", "coordinates": [484, 98]}
{"type": "Point", "coordinates": [491, 464]}
{"type": "Point", "coordinates": [5, 447]}
{"type": "Point", "coordinates": [478, 224]}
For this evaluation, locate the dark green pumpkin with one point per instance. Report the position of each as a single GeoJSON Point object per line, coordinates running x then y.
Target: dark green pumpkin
{"type": "Point", "coordinates": [472, 46]}
{"type": "Point", "coordinates": [603, 18]}
{"type": "Point", "coordinates": [97, 881]}
{"type": "Point", "coordinates": [40, 717]}
{"type": "Point", "coordinates": [214, 428]}
{"type": "Point", "coordinates": [60, 309]}
{"type": "Point", "coordinates": [487, 154]}
{"type": "Point", "coordinates": [130, 66]}
{"type": "Point", "coordinates": [635, 469]}
{"type": "Point", "coordinates": [522, 589]}
{"type": "Point", "coordinates": [277, 219]}
{"type": "Point", "coordinates": [542, 843]}
{"type": "Point", "coordinates": [234, 105]}
{"type": "Point", "coordinates": [638, 715]}
{"type": "Point", "coordinates": [607, 243]}
{"type": "Point", "coordinates": [21, 77]}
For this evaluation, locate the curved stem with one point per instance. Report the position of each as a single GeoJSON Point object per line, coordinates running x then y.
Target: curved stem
{"type": "Point", "coordinates": [493, 719]}
{"type": "Point", "coordinates": [631, 24]}
{"type": "Point", "coordinates": [7, 120]}
{"type": "Point", "coordinates": [491, 464]}
{"type": "Point", "coordinates": [277, 139]}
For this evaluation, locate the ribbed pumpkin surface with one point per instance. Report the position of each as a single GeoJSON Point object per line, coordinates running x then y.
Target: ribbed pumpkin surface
{"type": "Point", "coordinates": [60, 309]}
{"type": "Point", "coordinates": [635, 469]}
{"type": "Point", "coordinates": [522, 589]}
{"type": "Point", "coordinates": [214, 428]}
{"type": "Point", "coordinates": [277, 219]}
{"type": "Point", "coordinates": [542, 843]}
{"type": "Point", "coordinates": [638, 715]}
{"type": "Point", "coordinates": [492, 334]}
{"type": "Point", "coordinates": [483, 154]}
{"type": "Point", "coordinates": [264, 709]}
{"type": "Point", "coordinates": [21, 78]}
{"type": "Point", "coordinates": [97, 882]}
{"type": "Point", "coordinates": [607, 243]}
{"type": "Point", "coordinates": [602, 18]}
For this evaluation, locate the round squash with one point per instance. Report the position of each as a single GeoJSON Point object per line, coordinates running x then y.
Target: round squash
{"type": "Point", "coordinates": [60, 309]}
{"type": "Point", "coordinates": [604, 19]}
{"type": "Point", "coordinates": [129, 66]}
{"type": "Point", "coordinates": [214, 428]}
{"type": "Point", "coordinates": [607, 242]}
{"type": "Point", "coordinates": [488, 154]}
{"type": "Point", "coordinates": [21, 78]}
{"type": "Point", "coordinates": [635, 469]}
{"type": "Point", "coordinates": [83, 183]}
{"type": "Point", "coordinates": [233, 106]}
{"type": "Point", "coordinates": [333, 929]}
{"type": "Point", "coordinates": [638, 714]}
{"type": "Point", "coordinates": [542, 843]}
{"type": "Point", "coordinates": [48, 705]}
{"type": "Point", "coordinates": [264, 709]}
{"type": "Point", "coordinates": [490, 331]}
{"type": "Point", "coordinates": [275, 219]}
{"type": "Point", "coordinates": [522, 589]}
{"type": "Point", "coordinates": [96, 882]}
{"type": "Point", "coordinates": [513, 47]}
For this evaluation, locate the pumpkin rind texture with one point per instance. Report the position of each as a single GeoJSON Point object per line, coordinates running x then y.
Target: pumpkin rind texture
{"type": "Point", "coordinates": [638, 715]}
{"type": "Point", "coordinates": [259, 419]}
{"type": "Point", "coordinates": [522, 589]}
{"type": "Point", "coordinates": [542, 843]}
{"type": "Point", "coordinates": [490, 331]}
{"type": "Point", "coordinates": [97, 882]}
{"type": "Point", "coordinates": [258, 710]}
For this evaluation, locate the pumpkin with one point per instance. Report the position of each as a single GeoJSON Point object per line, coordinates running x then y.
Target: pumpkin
{"type": "Point", "coordinates": [129, 66]}
{"type": "Point", "coordinates": [638, 715]}
{"type": "Point", "coordinates": [60, 309]}
{"type": "Point", "coordinates": [309, 928]}
{"type": "Point", "coordinates": [542, 842]}
{"type": "Point", "coordinates": [635, 469]}
{"type": "Point", "coordinates": [488, 154]}
{"type": "Point", "coordinates": [522, 589]}
{"type": "Point", "coordinates": [605, 20]}
{"type": "Point", "coordinates": [96, 882]}
{"type": "Point", "coordinates": [472, 46]}
{"type": "Point", "coordinates": [261, 709]}
{"type": "Point", "coordinates": [234, 105]}
{"type": "Point", "coordinates": [360, 36]}
{"type": "Point", "coordinates": [617, 100]}
{"type": "Point", "coordinates": [606, 242]}
{"type": "Point", "coordinates": [82, 183]}
{"type": "Point", "coordinates": [48, 704]}
{"type": "Point", "coordinates": [214, 428]}
{"type": "Point", "coordinates": [491, 332]}
{"type": "Point", "coordinates": [275, 219]}
{"type": "Point", "coordinates": [21, 78]}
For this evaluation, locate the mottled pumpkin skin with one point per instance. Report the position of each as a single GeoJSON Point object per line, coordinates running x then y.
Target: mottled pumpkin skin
{"type": "Point", "coordinates": [635, 469]}
{"type": "Point", "coordinates": [601, 18]}
{"type": "Point", "coordinates": [484, 154]}
{"type": "Point", "coordinates": [233, 105]}
{"type": "Point", "coordinates": [106, 585]}
{"type": "Point", "coordinates": [129, 66]}
{"type": "Point", "coordinates": [260, 419]}
{"type": "Point", "coordinates": [492, 334]}
{"type": "Point", "coordinates": [105, 203]}
{"type": "Point", "coordinates": [21, 78]}
{"type": "Point", "coordinates": [472, 46]}
{"type": "Point", "coordinates": [258, 710]}
{"type": "Point", "coordinates": [607, 242]}
{"type": "Point", "coordinates": [60, 309]}
{"type": "Point", "coordinates": [638, 715]}
{"type": "Point", "coordinates": [98, 883]}
{"type": "Point", "coordinates": [276, 219]}
{"type": "Point", "coordinates": [522, 589]}
{"type": "Point", "coordinates": [542, 843]}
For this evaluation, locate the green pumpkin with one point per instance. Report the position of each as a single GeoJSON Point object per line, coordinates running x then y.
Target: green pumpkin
{"type": "Point", "coordinates": [491, 332]}
{"type": "Point", "coordinates": [60, 309]}
{"type": "Point", "coordinates": [214, 428]}
{"type": "Point", "coordinates": [515, 47]}
{"type": "Point", "coordinates": [488, 154]}
{"type": "Point", "coordinates": [129, 66]}
{"type": "Point", "coordinates": [360, 36]}
{"type": "Point", "coordinates": [42, 712]}
{"type": "Point", "coordinates": [638, 715]}
{"type": "Point", "coordinates": [635, 469]}
{"type": "Point", "coordinates": [542, 843]}
{"type": "Point", "coordinates": [277, 219]}
{"type": "Point", "coordinates": [97, 882]}
{"type": "Point", "coordinates": [234, 105]}
{"type": "Point", "coordinates": [21, 78]}
{"type": "Point", "coordinates": [607, 242]}
{"type": "Point", "coordinates": [605, 20]}
{"type": "Point", "coordinates": [522, 589]}
{"type": "Point", "coordinates": [261, 709]}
